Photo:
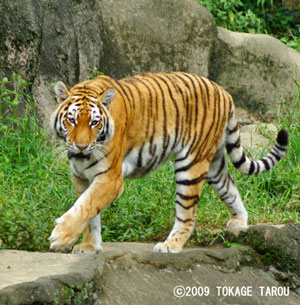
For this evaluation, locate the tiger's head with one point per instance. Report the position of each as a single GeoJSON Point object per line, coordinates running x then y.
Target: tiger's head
{"type": "Point", "coordinates": [82, 119]}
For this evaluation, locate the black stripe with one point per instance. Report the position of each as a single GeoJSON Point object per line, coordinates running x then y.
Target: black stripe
{"type": "Point", "coordinates": [91, 165]}
{"type": "Point", "coordinates": [188, 166]}
{"type": "Point", "coordinates": [192, 79]}
{"type": "Point", "coordinates": [187, 207]}
{"type": "Point", "coordinates": [235, 145]}
{"type": "Point", "coordinates": [232, 201]}
{"type": "Point", "coordinates": [270, 157]}
{"type": "Point", "coordinates": [223, 185]}
{"type": "Point", "coordinates": [280, 148]}
{"type": "Point", "coordinates": [150, 166]}
{"type": "Point", "coordinates": [210, 181]}
{"type": "Point", "coordinates": [122, 95]}
{"type": "Point", "coordinates": [266, 163]}
{"type": "Point", "coordinates": [181, 159]}
{"type": "Point", "coordinates": [152, 113]}
{"type": "Point", "coordinates": [77, 177]}
{"type": "Point", "coordinates": [184, 220]}
{"type": "Point", "coordinates": [149, 107]}
{"type": "Point", "coordinates": [130, 100]}
{"type": "Point", "coordinates": [258, 168]}
{"type": "Point", "coordinates": [186, 131]}
{"type": "Point", "coordinates": [180, 136]}
{"type": "Point", "coordinates": [230, 131]}
{"type": "Point", "coordinates": [225, 196]}
{"type": "Point", "coordinates": [217, 102]}
{"type": "Point", "coordinates": [174, 104]}
{"type": "Point", "coordinates": [189, 152]}
{"type": "Point", "coordinates": [214, 127]}
{"type": "Point", "coordinates": [140, 157]}
{"type": "Point", "coordinates": [100, 173]}
{"type": "Point", "coordinates": [238, 164]}
{"type": "Point", "coordinates": [192, 181]}
{"type": "Point", "coordinates": [275, 155]}
{"type": "Point", "coordinates": [166, 137]}
{"type": "Point", "coordinates": [252, 168]}
{"type": "Point", "coordinates": [186, 197]}
{"type": "Point", "coordinates": [220, 169]}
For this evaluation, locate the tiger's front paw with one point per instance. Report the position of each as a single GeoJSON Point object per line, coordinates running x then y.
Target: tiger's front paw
{"type": "Point", "coordinates": [67, 230]}
{"type": "Point", "coordinates": [166, 247]}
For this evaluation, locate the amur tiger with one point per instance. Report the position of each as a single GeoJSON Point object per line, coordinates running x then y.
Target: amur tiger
{"type": "Point", "coordinates": [114, 129]}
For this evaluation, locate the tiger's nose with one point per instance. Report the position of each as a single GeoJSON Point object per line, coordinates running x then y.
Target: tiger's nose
{"type": "Point", "coordinates": [81, 147]}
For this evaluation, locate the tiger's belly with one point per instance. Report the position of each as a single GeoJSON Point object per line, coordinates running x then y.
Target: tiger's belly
{"type": "Point", "coordinates": [139, 162]}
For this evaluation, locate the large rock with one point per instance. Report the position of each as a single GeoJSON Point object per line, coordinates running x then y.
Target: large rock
{"type": "Point", "coordinates": [70, 45]}
{"type": "Point", "coordinates": [279, 246]}
{"type": "Point", "coordinates": [258, 70]}
{"type": "Point", "coordinates": [61, 40]}
{"type": "Point", "coordinates": [130, 273]}
{"type": "Point", "coordinates": [252, 138]}
{"type": "Point", "coordinates": [47, 41]}
{"type": "Point", "coordinates": [151, 35]}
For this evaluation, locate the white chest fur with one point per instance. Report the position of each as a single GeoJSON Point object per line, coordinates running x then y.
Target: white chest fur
{"type": "Point", "coordinates": [87, 169]}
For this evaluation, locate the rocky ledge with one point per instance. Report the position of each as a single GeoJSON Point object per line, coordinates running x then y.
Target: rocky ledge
{"type": "Point", "coordinates": [261, 266]}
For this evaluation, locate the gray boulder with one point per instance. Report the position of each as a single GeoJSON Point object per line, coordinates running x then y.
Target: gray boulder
{"type": "Point", "coordinates": [47, 41]}
{"type": "Point", "coordinates": [51, 41]}
{"type": "Point", "coordinates": [258, 70]}
{"type": "Point", "coordinates": [149, 35]}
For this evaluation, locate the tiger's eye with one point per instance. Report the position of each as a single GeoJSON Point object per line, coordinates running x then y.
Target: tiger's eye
{"type": "Point", "coordinates": [71, 120]}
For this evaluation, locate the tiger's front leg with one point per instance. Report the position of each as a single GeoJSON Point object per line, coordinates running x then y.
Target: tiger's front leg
{"type": "Point", "coordinates": [92, 240]}
{"type": "Point", "coordinates": [102, 191]}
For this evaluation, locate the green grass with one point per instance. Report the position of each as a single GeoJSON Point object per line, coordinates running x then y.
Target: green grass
{"type": "Point", "coordinates": [35, 186]}
{"type": "Point", "coordinates": [257, 17]}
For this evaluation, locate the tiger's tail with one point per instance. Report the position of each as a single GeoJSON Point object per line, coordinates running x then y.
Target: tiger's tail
{"type": "Point", "coordinates": [238, 156]}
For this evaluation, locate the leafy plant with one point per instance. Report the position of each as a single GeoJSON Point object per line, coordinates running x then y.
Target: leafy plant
{"type": "Point", "coordinates": [94, 73]}
{"type": "Point", "coordinates": [260, 16]}
{"type": "Point", "coordinates": [28, 180]}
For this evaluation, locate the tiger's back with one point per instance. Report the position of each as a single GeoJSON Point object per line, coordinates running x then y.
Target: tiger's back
{"type": "Point", "coordinates": [142, 121]}
{"type": "Point", "coordinates": [167, 113]}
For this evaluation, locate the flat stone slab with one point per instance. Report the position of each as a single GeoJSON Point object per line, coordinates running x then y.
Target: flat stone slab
{"type": "Point", "coordinates": [18, 267]}
{"type": "Point", "coordinates": [130, 273]}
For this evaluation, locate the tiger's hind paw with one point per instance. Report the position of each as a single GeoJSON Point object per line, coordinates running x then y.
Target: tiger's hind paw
{"type": "Point", "coordinates": [237, 223]}
{"type": "Point", "coordinates": [87, 248]}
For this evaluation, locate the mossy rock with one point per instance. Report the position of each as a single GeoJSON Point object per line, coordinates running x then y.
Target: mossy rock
{"type": "Point", "coordinates": [278, 246]}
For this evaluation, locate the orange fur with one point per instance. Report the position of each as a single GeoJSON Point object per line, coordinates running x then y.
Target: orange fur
{"type": "Point", "coordinates": [117, 129]}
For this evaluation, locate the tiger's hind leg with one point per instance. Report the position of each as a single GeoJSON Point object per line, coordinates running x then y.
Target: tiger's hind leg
{"type": "Point", "coordinates": [189, 181]}
{"type": "Point", "coordinates": [92, 240]}
{"type": "Point", "coordinates": [220, 180]}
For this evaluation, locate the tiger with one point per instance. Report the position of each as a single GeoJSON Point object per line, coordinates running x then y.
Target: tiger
{"type": "Point", "coordinates": [116, 129]}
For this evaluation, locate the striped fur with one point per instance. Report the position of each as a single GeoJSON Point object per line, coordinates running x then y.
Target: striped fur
{"type": "Point", "coordinates": [116, 129]}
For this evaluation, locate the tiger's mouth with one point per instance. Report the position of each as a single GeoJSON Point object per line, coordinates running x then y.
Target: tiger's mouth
{"type": "Point", "coordinates": [79, 155]}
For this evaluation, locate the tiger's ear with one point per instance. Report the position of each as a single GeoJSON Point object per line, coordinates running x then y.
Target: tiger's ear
{"type": "Point", "coordinates": [61, 91]}
{"type": "Point", "coordinates": [107, 97]}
